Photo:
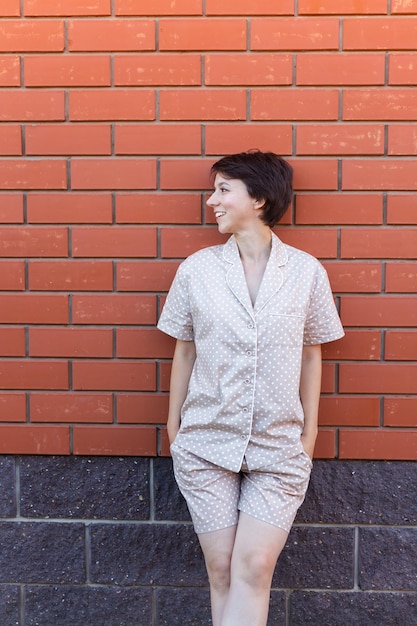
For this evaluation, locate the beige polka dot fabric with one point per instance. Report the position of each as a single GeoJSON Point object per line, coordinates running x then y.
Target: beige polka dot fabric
{"type": "Point", "coordinates": [243, 397]}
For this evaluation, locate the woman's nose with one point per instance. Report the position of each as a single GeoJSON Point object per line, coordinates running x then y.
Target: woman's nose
{"type": "Point", "coordinates": [212, 200]}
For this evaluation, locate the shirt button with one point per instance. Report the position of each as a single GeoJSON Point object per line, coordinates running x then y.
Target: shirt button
{"type": "Point", "coordinates": [245, 409]}
{"type": "Point", "coordinates": [251, 325]}
{"type": "Point", "coordinates": [243, 436]}
{"type": "Point", "coordinates": [248, 381]}
{"type": "Point", "coordinates": [248, 353]}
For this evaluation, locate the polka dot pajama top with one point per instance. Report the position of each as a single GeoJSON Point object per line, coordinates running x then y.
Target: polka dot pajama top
{"type": "Point", "coordinates": [243, 401]}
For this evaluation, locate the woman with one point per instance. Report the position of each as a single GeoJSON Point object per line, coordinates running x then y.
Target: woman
{"type": "Point", "coordinates": [249, 317]}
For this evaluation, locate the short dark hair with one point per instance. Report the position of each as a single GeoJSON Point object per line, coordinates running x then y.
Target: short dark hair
{"type": "Point", "coordinates": [267, 177]}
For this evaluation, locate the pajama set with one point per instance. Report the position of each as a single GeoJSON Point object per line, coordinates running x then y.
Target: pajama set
{"type": "Point", "coordinates": [239, 446]}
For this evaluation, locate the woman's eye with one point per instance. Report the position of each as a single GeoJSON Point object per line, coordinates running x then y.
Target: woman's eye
{"type": "Point", "coordinates": [222, 189]}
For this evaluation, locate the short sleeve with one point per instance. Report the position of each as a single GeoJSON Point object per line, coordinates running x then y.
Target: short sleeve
{"type": "Point", "coordinates": [322, 322]}
{"type": "Point", "coordinates": [176, 319]}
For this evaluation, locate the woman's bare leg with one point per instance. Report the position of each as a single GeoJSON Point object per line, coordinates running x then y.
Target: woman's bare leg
{"type": "Point", "coordinates": [256, 549]}
{"type": "Point", "coordinates": [217, 548]}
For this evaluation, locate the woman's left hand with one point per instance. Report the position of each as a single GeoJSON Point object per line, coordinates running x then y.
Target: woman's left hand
{"type": "Point", "coordinates": [308, 444]}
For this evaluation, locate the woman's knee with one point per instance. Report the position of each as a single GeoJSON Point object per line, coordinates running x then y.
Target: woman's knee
{"type": "Point", "coordinates": [218, 569]}
{"type": "Point", "coordinates": [256, 568]}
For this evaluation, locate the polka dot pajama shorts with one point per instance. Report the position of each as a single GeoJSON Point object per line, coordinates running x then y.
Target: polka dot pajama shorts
{"type": "Point", "coordinates": [215, 495]}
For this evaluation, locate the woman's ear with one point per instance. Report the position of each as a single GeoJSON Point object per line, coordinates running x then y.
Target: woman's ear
{"type": "Point", "coordinates": [258, 204]}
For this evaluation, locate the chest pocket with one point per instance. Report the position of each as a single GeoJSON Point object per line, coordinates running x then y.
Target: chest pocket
{"type": "Point", "coordinates": [285, 329]}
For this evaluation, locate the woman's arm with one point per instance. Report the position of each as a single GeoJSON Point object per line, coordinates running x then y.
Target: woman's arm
{"type": "Point", "coordinates": [182, 366]}
{"type": "Point", "coordinates": [310, 385]}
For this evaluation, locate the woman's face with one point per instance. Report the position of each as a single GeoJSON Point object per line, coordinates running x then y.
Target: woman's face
{"type": "Point", "coordinates": [234, 209]}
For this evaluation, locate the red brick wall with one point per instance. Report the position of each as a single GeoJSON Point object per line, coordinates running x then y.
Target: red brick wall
{"type": "Point", "coordinates": [112, 112]}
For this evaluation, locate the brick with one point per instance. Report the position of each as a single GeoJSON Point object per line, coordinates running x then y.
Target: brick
{"type": "Point", "coordinates": [94, 488]}
{"type": "Point", "coordinates": [292, 33]}
{"type": "Point", "coordinates": [249, 7]}
{"type": "Point", "coordinates": [9, 70]}
{"type": "Point", "coordinates": [12, 407]}
{"type": "Point", "coordinates": [10, 140]}
{"type": "Point", "coordinates": [338, 208]}
{"type": "Point", "coordinates": [379, 33]}
{"type": "Point", "coordinates": [37, 8]}
{"type": "Point", "coordinates": [341, 139]}
{"type": "Point", "coordinates": [31, 375]}
{"type": "Point", "coordinates": [402, 68]}
{"type": "Point", "coordinates": [349, 411]}
{"type": "Point", "coordinates": [114, 309]}
{"type": "Point", "coordinates": [171, 602]}
{"type": "Point", "coordinates": [123, 376]}
{"type": "Point", "coordinates": [135, 555]}
{"type": "Point", "coordinates": [381, 444]}
{"type": "Point", "coordinates": [161, 208]}
{"type": "Point", "coordinates": [120, 104]}
{"type": "Point", "coordinates": [71, 276]}
{"type": "Point", "coordinates": [43, 552]}
{"type": "Point", "coordinates": [401, 277]}
{"type": "Point", "coordinates": [158, 7]}
{"type": "Point", "coordinates": [11, 208]}
{"type": "Point", "coordinates": [232, 138]}
{"type": "Point", "coordinates": [68, 139]}
{"type": "Point", "coordinates": [181, 242]}
{"type": "Point", "coordinates": [186, 174]}
{"type": "Point", "coordinates": [395, 174]}
{"type": "Point", "coordinates": [144, 408]}
{"type": "Point", "coordinates": [71, 407]}
{"type": "Point", "coordinates": [390, 104]}
{"type": "Point", "coordinates": [325, 447]}
{"type": "Point", "coordinates": [120, 241]}
{"type": "Point", "coordinates": [369, 243]}
{"type": "Point", "coordinates": [402, 139]}
{"type": "Point", "coordinates": [70, 342]}
{"type": "Point", "coordinates": [311, 174]}
{"type": "Point", "coordinates": [27, 174]}
{"type": "Point", "coordinates": [27, 308]}
{"type": "Point", "coordinates": [46, 604]}
{"type": "Point", "coordinates": [145, 275]}
{"type": "Point", "coordinates": [350, 606]}
{"type": "Point", "coordinates": [400, 412]}
{"type": "Point", "coordinates": [165, 374]}
{"type": "Point", "coordinates": [22, 241]}
{"type": "Point", "coordinates": [10, 8]}
{"type": "Point", "coordinates": [12, 341]}
{"type": "Point", "coordinates": [164, 445]}
{"type": "Point", "coordinates": [196, 105]}
{"type": "Point", "coordinates": [157, 139]}
{"type": "Point", "coordinates": [343, 7]}
{"type": "Point", "coordinates": [355, 277]}
{"type": "Point", "coordinates": [12, 276]}
{"type": "Point", "coordinates": [357, 345]}
{"type": "Point", "coordinates": [328, 378]}
{"type": "Point", "coordinates": [67, 71]}
{"type": "Point", "coordinates": [113, 173]}
{"type": "Point", "coordinates": [32, 106]}
{"type": "Point", "coordinates": [150, 69]}
{"type": "Point", "coordinates": [97, 35]}
{"type": "Point", "coordinates": [308, 545]}
{"type": "Point", "coordinates": [202, 34]}
{"type": "Point", "coordinates": [340, 69]}
{"type": "Point", "coordinates": [20, 36]}
{"type": "Point", "coordinates": [250, 69]}
{"type": "Point", "coordinates": [143, 343]}
{"type": "Point", "coordinates": [403, 6]}
{"type": "Point", "coordinates": [297, 105]}
{"type": "Point", "coordinates": [379, 310]}
{"type": "Point", "coordinates": [375, 547]}
{"type": "Point", "coordinates": [115, 440]}
{"type": "Point", "coordinates": [320, 242]}
{"type": "Point", "coordinates": [395, 378]}
{"type": "Point", "coordinates": [360, 492]}
{"type": "Point", "coordinates": [69, 208]}
{"type": "Point", "coordinates": [401, 209]}
{"type": "Point", "coordinates": [401, 346]}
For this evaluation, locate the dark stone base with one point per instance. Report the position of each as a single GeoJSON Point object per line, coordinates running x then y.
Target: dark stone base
{"type": "Point", "coordinates": [108, 541]}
